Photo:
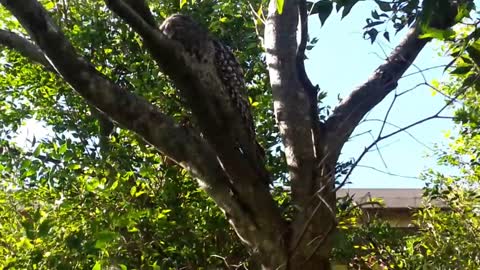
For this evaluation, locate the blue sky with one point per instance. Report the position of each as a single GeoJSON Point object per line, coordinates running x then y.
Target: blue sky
{"type": "Point", "coordinates": [343, 60]}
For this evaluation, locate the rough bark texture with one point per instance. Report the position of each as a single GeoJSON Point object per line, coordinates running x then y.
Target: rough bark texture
{"type": "Point", "coordinates": [311, 147]}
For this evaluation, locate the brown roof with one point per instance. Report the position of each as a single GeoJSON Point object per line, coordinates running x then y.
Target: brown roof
{"type": "Point", "coordinates": [392, 198]}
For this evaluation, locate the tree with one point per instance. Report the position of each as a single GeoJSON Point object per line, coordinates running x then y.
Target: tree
{"type": "Point", "coordinates": [201, 141]}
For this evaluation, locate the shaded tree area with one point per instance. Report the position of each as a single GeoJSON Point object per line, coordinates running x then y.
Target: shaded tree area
{"type": "Point", "coordinates": [139, 124]}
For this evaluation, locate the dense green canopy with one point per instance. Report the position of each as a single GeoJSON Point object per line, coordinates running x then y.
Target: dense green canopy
{"type": "Point", "coordinates": [95, 191]}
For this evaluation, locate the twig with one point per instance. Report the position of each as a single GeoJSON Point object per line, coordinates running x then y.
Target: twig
{"type": "Point", "coordinates": [405, 131]}
{"type": "Point", "coordinates": [385, 172]}
{"type": "Point", "coordinates": [435, 116]}
{"type": "Point", "coordinates": [423, 70]}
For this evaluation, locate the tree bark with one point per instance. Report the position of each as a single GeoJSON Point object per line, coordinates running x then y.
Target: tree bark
{"type": "Point", "coordinates": [312, 148]}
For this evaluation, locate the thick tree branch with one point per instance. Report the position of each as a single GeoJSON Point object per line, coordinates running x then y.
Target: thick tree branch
{"type": "Point", "coordinates": [308, 87]}
{"type": "Point", "coordinates": [141, 7]}
{"type": "Point", "coordinates": [295, 105]}
{"type": "Point", "coordinates": [216, 118]}
{"type": "Point", "coordinates": [291, 103]}
{"type": "Point", "coordinates": [249, 207]}
{"type": "Point", "coordinates": [350, 112]}
{"type": "Point", "coordinates": [25, 48]}
{"type": "Point", "coordinates": [182, 144]}
{"type": "Point", "coordinates": [196, 80]}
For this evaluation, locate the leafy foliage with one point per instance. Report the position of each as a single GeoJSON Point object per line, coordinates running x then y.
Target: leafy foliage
{"type": "Point", "coordinates": [73, 199]}
{"type": "Point", "coordinates": [67, 201]}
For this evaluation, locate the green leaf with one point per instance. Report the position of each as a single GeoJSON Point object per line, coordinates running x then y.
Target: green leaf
{"type": "Point", "coordinates": [348, 7]}
{"type": "Point", "coordinates": [182, 3]}
{"type": "Point", "coordinates": [97, 266]}
{"type": "Point", "coordinates": [323, 9]}
{"type": "Point", "coordinates": [280, 4]}
{"type": "Point", "coordinates": [103, 238]}
{"type": "Point", "coordinates": [49, 6]}
{"type": "Point", "coordinates": [386, 35]}
{"type": "Point", "coordinates": [63, 149]}
{"type": "Point", "coordinates": [461, 70]}
{"type": "Point", "coordinates": [384, 5]}
{"type": "Point", "coordinates": [439, 34]}
{"type": "Point", "coordinates": [372, 34]}
{"type": "Point", "coordinates": [474, 53]}
{"type": "Point", "coordinates": [133, 190]}
{"type": "Point", "coordinates": [37, 150]}
{"type": "Point", "coordinates": [114, 185]}
{"type": "Point", "coordinates": [373, 23]}
{"type": "Point", "coordinates": [44, 228]}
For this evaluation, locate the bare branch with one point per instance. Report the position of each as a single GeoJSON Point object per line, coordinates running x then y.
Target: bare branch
{"type": "Point", "coordinates": [381, 138]}
{"type": "Point", "coordinates": [180, 143]}
{"type": "Point", "coordinates": [26, 48]}
{"type": "Point", "coordinates": [422, 70]}
{"type": "Point", "coordinates": [349, 113]}
{"type": "Point", "coordinates": [386, 172]}
{"type": "Point", "coordinates": [398, 127]}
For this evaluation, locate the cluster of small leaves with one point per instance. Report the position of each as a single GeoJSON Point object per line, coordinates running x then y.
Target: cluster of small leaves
{"type": "Point", "coordinates": [400, 13]}
{"type": "Point", "coordinates": [433, 16]}
{"type": "Point", "coordinates": [364, 241]}
{"type": "Point", "coordinates": [449, 225]}
{"type": "Point", "coordinates": [464, 48]}
{"type": "Point", "coordinates": [105, 215]}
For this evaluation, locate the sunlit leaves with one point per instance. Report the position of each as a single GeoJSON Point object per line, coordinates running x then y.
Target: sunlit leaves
{"type": "Point", "coordinates": [439, 34]}
{"type": "Point", "coordinates": [183, 2]}
{"type": "Point", "coordinates": [280, 4]}
{"type": "Point", "coordinates": [97, 266]}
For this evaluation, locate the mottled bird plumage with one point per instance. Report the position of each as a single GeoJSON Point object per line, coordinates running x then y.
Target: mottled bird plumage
{"type": "Point", "coordinates": [197, 42]}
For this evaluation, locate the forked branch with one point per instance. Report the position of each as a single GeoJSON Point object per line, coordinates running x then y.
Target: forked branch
{"type": "Point", "coordinates": [253, 212]}
{"type": "Point", "coordinates": [180, 143]}
{"type": "Point", "coordinates": [350, 112]}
